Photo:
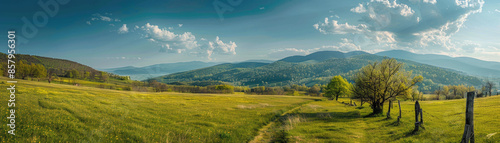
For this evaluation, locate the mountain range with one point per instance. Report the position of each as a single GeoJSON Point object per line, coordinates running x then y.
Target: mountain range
{"type": "Point", "coordinates": [467, 65]}
{"type": "Point", "coordinates": [315, 68]}
{"type": "Point", "coordinates": [143, 73]}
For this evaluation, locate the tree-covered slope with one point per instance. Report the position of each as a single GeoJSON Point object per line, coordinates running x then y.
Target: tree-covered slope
{"type": "Point", "coordinates": [467, 65]}
{"type": "Point", "coordinates": [299, 72]}
{"type": "Point", "coordinates": [50, 63]}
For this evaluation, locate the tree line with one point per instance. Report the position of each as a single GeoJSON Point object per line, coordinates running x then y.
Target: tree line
{"type": "Point", "coordinates": [33, 71]}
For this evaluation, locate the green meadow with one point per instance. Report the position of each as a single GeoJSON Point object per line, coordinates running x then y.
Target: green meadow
{"type": "Point", "coordinates": [332, 121]}
{"type": "Point", "coordinates": [66, 113]}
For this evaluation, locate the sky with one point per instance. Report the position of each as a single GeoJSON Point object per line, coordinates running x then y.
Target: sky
{"type": "Point", "coordinates": [117, 33]}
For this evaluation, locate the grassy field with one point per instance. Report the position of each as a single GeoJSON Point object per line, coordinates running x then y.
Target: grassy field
{"type": "Point", "coordinates": [331, 121]}
{"type": "Point", "coordinates": [57, 112]}
{"type": "Point", "coordinates": [66, 113]}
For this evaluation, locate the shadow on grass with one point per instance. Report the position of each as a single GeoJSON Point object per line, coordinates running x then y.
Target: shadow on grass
{"type": "Point", "coordinates": [395, 123]}
{"type": "Point", "coordinates": [331, 116]}
{"type": "Point", "coordinates": [413, 132]}
{"type": "Point", "coordinates": [374, 115]}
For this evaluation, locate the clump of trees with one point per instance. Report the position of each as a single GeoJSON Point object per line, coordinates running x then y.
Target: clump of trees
{"type": "Point", "coordinates": [379, 82]}
{"type": "Point", "coordinates": [162, 87]}
{"type": "Point", "coordinates": [453, 91]}
{"type": "Point", "coordinates": [32, 70]}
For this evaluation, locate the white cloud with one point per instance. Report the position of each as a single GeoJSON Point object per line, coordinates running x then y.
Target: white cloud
{"type": "Point", "coordinates": [261, 8]}
{"type": "Point", "coordinates": [421, 26]}
{"type": "Point", "coordinates": [334, 28]}
{"type": "Point", "coordinates": [88, 22]}
{"type": "Point", "coordinates": [174, 41]}
{"type": "Point", "coordinates": [430, 1]}
{"type": "Point", "coordinates": [359, 9]}
{"type": "Point", "coordinates": [497, 10]}
{"type": "Point", "coordinates": [402, 9]}
{"type": "Point", "coordinates": [220, 47]}
{"type": "Point", "coordinates": [469, 3]}
{"type": "Point", "coordinates": [441, 37]}
{"type": "Point", "coordinates": [171, 42]}
{"type": "Point", "coordinates": [105, 18]}
{"type": "Point", "coordinates": [123, 29]}
{"type": "Point", "coordinates": [180, 25]}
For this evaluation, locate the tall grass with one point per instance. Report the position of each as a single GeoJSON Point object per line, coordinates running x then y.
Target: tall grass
{"type": "Point", "coordinates": [66, 113]}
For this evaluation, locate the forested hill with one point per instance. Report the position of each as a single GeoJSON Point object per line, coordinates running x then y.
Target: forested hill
{"type": "Point", "coordinates": [58, 65]}
{"type": "Point", "coordinates": [300, 70]}
{"type": "Point", "coordinates": [464, 64]}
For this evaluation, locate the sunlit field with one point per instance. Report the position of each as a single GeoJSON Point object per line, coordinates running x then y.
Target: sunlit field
{"type": "Point", "coordinates": [56, 112]}
{"type": "Point", "coordinates": [331, 121]}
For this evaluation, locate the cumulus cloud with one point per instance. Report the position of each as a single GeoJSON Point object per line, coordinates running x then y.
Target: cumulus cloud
{"type": "Point", "coordinates": [334, 28]}
{"type": "Point", "coordinates": [123, 29]}
{"type": "Point", "coordinates": [430, 1]}
{"type": "Point", "coordinates": [180, 25]}
{"type": "Point", "coordinates": [171, 42]}
{"type": "Point", "coordinates": [359, 9]}
{"type": "Point", "coordinates": [176, 42]}
{"type": "Point", "coordinates": [423, 25]}
{"type": "Point", "coordinates": [220, 47]}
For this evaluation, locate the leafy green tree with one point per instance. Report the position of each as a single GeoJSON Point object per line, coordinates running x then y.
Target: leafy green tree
{"type": "Point", "coordinates": [22, 69]}
{"type": "Point", "coordinates": [39, 71]}
{"type": "Point", "coordinates": [337, 86]}
{"type": "Point", "coordinates": [381, 81]}
{"type": "Point", "coordinates": [86, 75]}
{"type": "Point", "coordinates": [104, 76]}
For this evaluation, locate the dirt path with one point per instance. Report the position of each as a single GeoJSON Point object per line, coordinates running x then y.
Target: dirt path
{"type": "Point", "coordinates": [265, 134]}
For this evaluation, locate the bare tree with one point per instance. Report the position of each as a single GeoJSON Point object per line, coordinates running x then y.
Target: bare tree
{"type": "Point", "coordinates": [489, 86]}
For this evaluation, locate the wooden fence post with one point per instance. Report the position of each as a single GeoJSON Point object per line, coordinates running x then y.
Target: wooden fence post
{"type": "Point", "coordinates": [399, 105]}
{"type": "Point", "coordinates": [469, 119]}
{"type": "Point", "coordinates": [417, 111]}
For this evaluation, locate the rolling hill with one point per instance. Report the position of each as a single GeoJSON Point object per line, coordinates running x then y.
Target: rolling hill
{"type": "Point", "coordinates": [316, 68]}
{"type": "Point", "coordinates": [51, 63]}
{"type": "Point", "coordinates": [142, 73]}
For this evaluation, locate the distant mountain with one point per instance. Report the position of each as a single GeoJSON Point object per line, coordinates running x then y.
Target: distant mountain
{"type": "Point", "coordinates": [142, 73]}
{"type": "Point", "coordinates": [316, 68]}
{"type": "Point", "coordinates": [464, 64]}
{"type": "Point", "coordinates": [321, 56]}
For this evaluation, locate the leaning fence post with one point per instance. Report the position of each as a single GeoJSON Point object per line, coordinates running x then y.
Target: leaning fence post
{"type": "Point", "coordinates": [399, 105]}
{"type": "Point", "coordinates": [417, 110]}
{"type": "Point", "coordinates": [469, 119]}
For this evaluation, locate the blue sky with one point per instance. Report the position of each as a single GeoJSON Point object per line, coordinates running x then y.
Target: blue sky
{"type": "Point", "coordinates": [105, 34]}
